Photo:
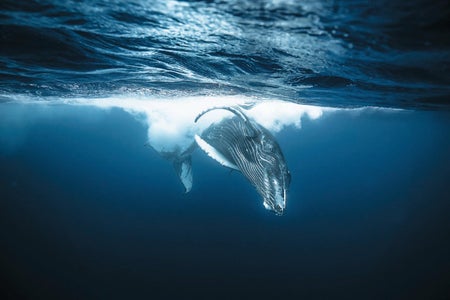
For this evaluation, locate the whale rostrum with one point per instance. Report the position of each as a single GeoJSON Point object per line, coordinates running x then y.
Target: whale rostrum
{"type": "Point", "coordinates": [242, 144]}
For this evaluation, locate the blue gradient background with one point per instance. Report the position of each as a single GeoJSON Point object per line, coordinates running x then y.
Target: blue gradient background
{"type": "Point", "coordinates": [88, 212]}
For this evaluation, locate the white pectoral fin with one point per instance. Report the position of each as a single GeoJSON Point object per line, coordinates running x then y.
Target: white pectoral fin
{"type": "Point", "coordinates": [184, 171]}
{"type": "Point", "coordinates": [214, 153]}
{"type": "Point", "coordinates": [186, 175]}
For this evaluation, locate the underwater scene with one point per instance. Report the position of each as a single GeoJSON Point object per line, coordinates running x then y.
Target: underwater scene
{"type": "Point", "coordinates": [222, 149]}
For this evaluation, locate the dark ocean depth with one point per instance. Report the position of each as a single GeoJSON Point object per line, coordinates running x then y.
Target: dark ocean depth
{"type": "Point", "coordinates": [95, 94]}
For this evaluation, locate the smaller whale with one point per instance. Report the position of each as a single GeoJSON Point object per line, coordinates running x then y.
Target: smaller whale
{"type": "Point", "coordinates": [182, 163]}
{"type": "Point", "coordinates": [242, 144]}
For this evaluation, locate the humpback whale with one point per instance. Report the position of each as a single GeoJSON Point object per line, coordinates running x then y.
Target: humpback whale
{"type": "Point", "coordinates": [242, 144]}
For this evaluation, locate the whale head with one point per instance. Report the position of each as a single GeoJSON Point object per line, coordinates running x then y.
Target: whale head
{"type": "Point", "coordinates": [273, 182]}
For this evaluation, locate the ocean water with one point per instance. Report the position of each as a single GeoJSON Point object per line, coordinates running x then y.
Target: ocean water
{"type": "Point", "coordinates": [97, 97]}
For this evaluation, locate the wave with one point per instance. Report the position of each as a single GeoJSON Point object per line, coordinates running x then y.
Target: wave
{"type": "Point", "coordinates": [328, 53]}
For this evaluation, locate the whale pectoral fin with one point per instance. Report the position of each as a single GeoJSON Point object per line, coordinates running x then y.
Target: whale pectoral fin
{"type": "Point", "coordinates": [214, 153]}
{"type": "Point", "coordinates": [184, 172]}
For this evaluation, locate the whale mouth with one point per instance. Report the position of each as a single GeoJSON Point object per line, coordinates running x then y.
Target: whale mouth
{"type": "Point", "coordinates": [275, 198]}
{"type": "Point", "coordinates": [275, 208]}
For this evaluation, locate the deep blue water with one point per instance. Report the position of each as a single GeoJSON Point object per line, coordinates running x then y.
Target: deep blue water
{"type": "Point", "coordinates": [88, 211]}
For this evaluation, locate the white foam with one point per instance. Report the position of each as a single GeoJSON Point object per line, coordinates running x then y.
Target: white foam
{"type": "Point", "coordinates": [170, 122]}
